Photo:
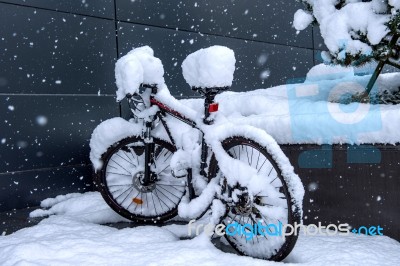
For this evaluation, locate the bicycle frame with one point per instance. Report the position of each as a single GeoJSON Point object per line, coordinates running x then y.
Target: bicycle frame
{"type": "Point", "coordinates": [161, 114]}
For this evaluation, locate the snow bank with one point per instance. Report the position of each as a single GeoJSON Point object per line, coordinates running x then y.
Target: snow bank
{"type": "Point", "coordinates": [89, 207]}
{"type": "Point", "coordinates": [107, 133]}
{"type": "Point", "coordinates": [209, 67]}
{"type": "Point", "coordinates": [137, 67]}
{"type": "Point", "coordinates": [62, 240]}
{"type": "Point", "coordinates": [300, 113]}
{"type": "Point", "coordinates": [329, 72]}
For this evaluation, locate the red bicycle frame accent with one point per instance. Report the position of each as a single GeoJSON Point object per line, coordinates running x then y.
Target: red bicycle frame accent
{"type": "Point", "coordinates": [172, 112]}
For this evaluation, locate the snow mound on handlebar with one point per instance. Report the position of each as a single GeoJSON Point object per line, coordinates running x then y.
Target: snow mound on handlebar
{"type": "Point", "coordinates": [137, 67]}
{"type": "Point", "coordinates": [106, 134]}
{"type": "Point", "coordinates": [153, 69]}
{"type": "Point", "coordinates": [128, 75]}
{"type": "Point", "coordinates": [210, 67]}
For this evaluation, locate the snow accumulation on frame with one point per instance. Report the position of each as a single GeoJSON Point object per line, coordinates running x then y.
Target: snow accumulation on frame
{"type": "Point", "coordinates": [73, 236]}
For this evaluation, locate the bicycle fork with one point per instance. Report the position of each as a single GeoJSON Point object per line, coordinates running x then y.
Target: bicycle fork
{"type": "Point", "coordinates": [148, 155]}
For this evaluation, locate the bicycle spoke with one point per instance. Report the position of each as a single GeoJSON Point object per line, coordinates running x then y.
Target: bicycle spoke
{"type": "Point", "coordinates": [264, 234]}
{"type": "Point", "coordinates": [119, 185]}
{"type": "Point", "coordinates": [119, 165]}
{"type": "Point", "coordinates": [234, 153]}
{"type": "Point", "coordinates": [167, 157]}
{"type": "Point", "coordinates": [248, 159]}
{"type": "Point", "coordinates": [259, 153]}
{"type": "Point", "coordinates": [122, 193]}
{"type": "Point", "coordinates": [180, 191]}
{"type": "Point", "coordinates": [112, 166]}
{"type": "Point", "coordinates": [273, 180]}
{"type": "Point", "coordinates": [170, 185]}
{"type": "Point", "coordinates": [134, 155]}
{"type": "Point", "coordinates": [272, 167]}
{"type": "Point", "coordinates": [147, 202]}
{"type": "Point", "coordinates": [241, 235]}
{"type": "Point", "coordinates": [141, 205]}
{"type": "Point", "coordinates": [160, 200]}
{"type": "Point", "coordinates": [126, 160]}
{"type": "Point", "coordinates": [163, 169]}
{"type": "Point", "coordinates": [165, 196]}
{"type": "Point", "coordinates": [253, 223]}
{"type": "Point", "coordinates": [118, 174]}
{"type": "Point", "coordinates": [165, 151]}
{"type": "Point", "coordinates": [155, 209]}
{"type": "Point", "coordinates": [158, 156]}
{"type": "Point", "coordinates": [266, 222]}
{"type": "Point", "coordinates": [262, 165]}
{"type": "Point", "coordinates": [252, 151]}
{"type": "Point", "coordinates": [126, 153]}
{"type": "Point", "coordinates": [112, 192]}
{"type": "Point", "coordinates": [233, 219]}
{"type": "Point", "coordinates": [127, 196]}
{"type": "Point", "coordinates": [170, 192]}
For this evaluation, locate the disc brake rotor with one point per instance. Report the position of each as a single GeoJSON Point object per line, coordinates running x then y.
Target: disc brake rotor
{"type": "Point", "coordinates": [137, 183]}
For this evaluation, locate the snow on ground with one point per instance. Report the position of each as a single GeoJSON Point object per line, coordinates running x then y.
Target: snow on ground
{"type": "Point", "coordinates": [73, 237]}
{"type": "Point", "coordinates": [89, 207]}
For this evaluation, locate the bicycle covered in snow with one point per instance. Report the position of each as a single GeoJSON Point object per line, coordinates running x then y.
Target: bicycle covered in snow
{"type": "Point", "coordinates": [169, 159]}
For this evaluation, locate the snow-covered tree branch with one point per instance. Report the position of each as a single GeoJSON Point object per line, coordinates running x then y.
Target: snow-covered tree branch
{"type": "Point", "coordinates": [354, 31]}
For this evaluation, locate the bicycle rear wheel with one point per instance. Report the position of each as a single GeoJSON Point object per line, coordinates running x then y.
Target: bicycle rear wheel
{"type": "Point", "coordinates": [271, 206]}
{"type": "Point", "coordinates": [119, 181]}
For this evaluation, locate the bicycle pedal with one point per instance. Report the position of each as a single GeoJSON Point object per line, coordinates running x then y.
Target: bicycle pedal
{"type": "Point", "coordinates": [180, 173]}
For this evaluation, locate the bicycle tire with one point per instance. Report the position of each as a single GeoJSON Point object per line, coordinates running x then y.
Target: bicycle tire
{"type": "Point", "coordinates": [294, 214]}
{"type": "Point", "coordinates": [104, 179]}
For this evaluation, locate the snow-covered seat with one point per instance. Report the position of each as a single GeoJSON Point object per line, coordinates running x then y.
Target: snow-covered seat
{"type": "Point", "coordinates": [208, 69]}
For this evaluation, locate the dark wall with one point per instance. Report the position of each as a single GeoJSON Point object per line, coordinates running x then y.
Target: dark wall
{"type": "Point", "coordinates": [358, 185]}
{"type": "Point", "coordinates": [56, 84]}
{"type": "Point", "coordinates": [57, 73]}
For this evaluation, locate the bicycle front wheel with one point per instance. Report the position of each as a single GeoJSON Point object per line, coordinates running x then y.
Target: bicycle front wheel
{"type": "Point", "coordinates": [254, 221]}
{"type": "Point", "coordinates": [119, 181]}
